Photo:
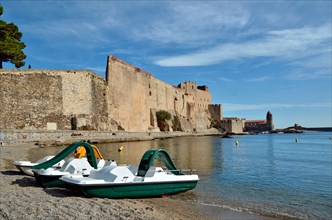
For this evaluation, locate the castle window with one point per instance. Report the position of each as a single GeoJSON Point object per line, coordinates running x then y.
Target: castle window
{"type": "Point", "coordinates": [150, 93]}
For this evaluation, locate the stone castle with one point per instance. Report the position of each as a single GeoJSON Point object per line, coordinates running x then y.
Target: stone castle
{"type": "Point", "coordinates": [127, 99]}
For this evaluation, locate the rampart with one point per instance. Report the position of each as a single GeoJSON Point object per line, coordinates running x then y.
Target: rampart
{"type": "Point", "coordinates": [127, 99]}
{"type": "Point", "coordinates": [135, 96]}
{"type": "Point", "coordinates": [54, 99]}
{"type": "Point", "coordinates": [216, 111]}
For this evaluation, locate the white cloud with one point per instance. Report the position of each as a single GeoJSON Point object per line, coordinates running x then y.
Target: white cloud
{"type": "Point", "coordinates": [320, 61]}
{"type": "Point", "coordinates": [313, 67]}
{"type": "Point", "coordinates": [224, 79]}
{"type": "Point", "coordinates": [197, 23]}
{"type": "Point", "coordinates": [259, 79]}
{"type": "Point", "coordinates": [285, 44]}
{"type": "Point", "coordinates": [309, 74]}
{"type": "Point", "coordinates": [82, 31]}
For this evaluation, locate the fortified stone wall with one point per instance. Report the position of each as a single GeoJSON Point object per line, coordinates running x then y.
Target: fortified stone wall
{"type": "Point", "coordinates": [30, 99]}
{"type": "Point", "coordinates": [216, 111]}
{"type": "Point", "coordinates": [81, 100]}
{"type": "Point", "coordinates": [135, 95]}
{"type": "Point", "coordinates": [233, 125]}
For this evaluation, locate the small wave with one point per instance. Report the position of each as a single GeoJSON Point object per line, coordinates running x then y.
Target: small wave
{"type": "Point", "coordinates": [266, 212]}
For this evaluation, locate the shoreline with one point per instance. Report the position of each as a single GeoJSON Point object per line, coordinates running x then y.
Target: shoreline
{"type": "Point", "coordinates": [20, 192]}
{"type": "Point", "coordinates": [47, 138]}
{"type": "Point", "coordinates": [66, 137]}
{"type": "Point", "coordinates": [22, 198]}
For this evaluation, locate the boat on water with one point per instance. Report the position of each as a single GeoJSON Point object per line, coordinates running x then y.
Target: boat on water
{"type": "Point", "coordinates": [48, 176]}
{"type": "Point", "coordinates": [134, 181]}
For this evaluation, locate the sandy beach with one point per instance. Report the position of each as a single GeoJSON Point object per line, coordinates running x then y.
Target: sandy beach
{"type": "Point", "coordinates": [21, 198]}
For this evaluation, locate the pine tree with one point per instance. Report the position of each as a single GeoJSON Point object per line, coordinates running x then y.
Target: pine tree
{"type": "Point", "coordinates": [11, 47]}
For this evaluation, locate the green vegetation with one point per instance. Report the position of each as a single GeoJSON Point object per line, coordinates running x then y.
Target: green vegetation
{"type": "Point", "coordinates": [162, 116]}
{"type": "Point", "coordinates": [11, 47]}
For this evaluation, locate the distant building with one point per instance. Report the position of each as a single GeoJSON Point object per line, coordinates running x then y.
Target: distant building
{"type": "Point", "coordinates": [232, 125]}
{"type": "Point", "coordinates": [269, 121]}
{"type": "Point", "coordinates": [240, 125]}
{"type": "Point", "coordinates": [257, 126]}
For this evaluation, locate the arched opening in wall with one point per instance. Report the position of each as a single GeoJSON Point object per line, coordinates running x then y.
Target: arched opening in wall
{"type": "Point", "coordinates": [150, 93]}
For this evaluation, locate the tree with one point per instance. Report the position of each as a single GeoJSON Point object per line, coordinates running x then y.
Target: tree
{"type": "Point", "coordinates": [11, 47]}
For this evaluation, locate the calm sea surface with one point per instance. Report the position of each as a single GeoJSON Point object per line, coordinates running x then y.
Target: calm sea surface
{"type": "Point", "coordinates": [266, 174]}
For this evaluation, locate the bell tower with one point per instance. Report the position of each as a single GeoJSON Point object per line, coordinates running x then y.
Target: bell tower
{"type": "Point", "coordinates": [269, 121]}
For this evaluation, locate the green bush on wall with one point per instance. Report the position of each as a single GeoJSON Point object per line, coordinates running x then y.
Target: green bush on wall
{"type": "Point", "coordinates": [163, 115]}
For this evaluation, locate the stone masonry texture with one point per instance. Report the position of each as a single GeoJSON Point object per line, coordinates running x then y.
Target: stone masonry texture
{"type": "Point", "coordinates": [81, 100]}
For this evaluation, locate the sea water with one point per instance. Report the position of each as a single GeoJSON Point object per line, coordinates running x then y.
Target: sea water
{"type": "Point", "coordinates": [272, 175]}
{"type": "Point", "coordinates": [267, 174]}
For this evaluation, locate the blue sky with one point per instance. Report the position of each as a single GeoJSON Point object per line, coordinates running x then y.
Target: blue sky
{"type": "Point", "coordinates": [255, 56]}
